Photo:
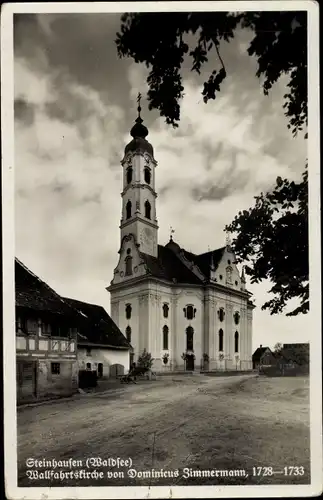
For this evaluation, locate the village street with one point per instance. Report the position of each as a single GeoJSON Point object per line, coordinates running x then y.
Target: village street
{"type": "Point", "coordinates": [199, 422]}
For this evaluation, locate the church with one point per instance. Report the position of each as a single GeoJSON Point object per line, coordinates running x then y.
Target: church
{"type": "Point", "coordinates": [191, 312]}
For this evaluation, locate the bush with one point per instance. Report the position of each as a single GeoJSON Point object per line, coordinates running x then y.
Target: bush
{"type": "Point", "coordinates": [145, 361]}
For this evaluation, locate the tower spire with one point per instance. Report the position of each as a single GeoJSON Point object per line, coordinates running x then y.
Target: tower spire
{"type": "Point", "coordinates": [139, 130]}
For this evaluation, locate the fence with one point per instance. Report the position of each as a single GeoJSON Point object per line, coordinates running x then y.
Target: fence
{"type": "Point", "coordinates": [284, 370]}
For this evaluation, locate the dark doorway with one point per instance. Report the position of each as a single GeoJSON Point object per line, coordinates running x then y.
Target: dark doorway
{"type": "Point", "coordinates": [26, 380]}
{"type": "Point", "coordinates": [100, 370]}
{"type": "Point", "coordinates": [190, 363]}
{"type": "Point", "coordinates": [189, 338]}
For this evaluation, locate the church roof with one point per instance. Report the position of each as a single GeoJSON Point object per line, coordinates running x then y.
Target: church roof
{"type": "Point", "coordinates": [206, 260]}
{"type": "Point", "coordinates": [97, 326]}
{"type": "Point", "coordinates": [170, 266]}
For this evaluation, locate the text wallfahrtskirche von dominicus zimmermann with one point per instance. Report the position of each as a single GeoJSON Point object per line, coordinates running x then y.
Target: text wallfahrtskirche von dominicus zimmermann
{"type": "Point", "coordinates": [96, 469]}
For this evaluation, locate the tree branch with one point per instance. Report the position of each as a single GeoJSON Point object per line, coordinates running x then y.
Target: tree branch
{"type": "Point", "coordinates": [219, 56]}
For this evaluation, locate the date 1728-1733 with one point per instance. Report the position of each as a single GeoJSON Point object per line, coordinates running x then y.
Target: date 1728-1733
{"type": "Point", "coordinates": [285, 471]}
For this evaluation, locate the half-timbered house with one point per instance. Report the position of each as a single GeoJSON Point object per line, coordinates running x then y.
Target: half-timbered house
{"type": "Point", "coordinates": [46, 332]}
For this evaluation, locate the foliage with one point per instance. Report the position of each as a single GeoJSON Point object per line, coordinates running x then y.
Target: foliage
{"type": "Point", "coordinates": [185, 356]}
{"type": "Point", "coordinates": [272, 237]}
{"type": "Point", "coordinates": [157, 39]}
{"type": "Point", "coordinates": [297, 352]}
{"type": "Point", "coordinates": [145, 360]}
{"type": "Point", "coordinates": [165, 358]}
{"type": "Point", "coordinates": [278, 347]}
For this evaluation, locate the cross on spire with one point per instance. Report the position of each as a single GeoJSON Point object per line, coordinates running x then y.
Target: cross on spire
{"type": "Point", "coordinates": [138, 101]}
{"type": "Point", "coordinates": [172, 231]}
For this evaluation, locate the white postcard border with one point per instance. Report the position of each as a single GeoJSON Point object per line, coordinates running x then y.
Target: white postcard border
{"type": "Point", "coordinates": [10, 417]}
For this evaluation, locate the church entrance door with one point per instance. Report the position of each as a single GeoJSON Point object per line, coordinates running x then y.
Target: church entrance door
{"type": "Point", "coordinates": [190, 363]}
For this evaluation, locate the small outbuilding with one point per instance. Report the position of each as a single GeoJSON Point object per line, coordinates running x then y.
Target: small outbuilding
{"type": "Point", "coordinates": [257, 355]}
{"type": "Point", "coordinates": [101, 346]}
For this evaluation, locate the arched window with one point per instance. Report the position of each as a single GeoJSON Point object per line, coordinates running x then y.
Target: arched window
{"type": "Point", "coordinates": [221, 314]}
{"type": "Point", "coordinates": [147, 175]}
{"type": "Point", "coordinates": [165, 310]}
{"type": "Point", "coordinates": [165, 338]}
{"type": "Point", "coordinates": [128, 334]}
{"type": "Point", "coordinates": [189, 338]}
{"type": "Point", "coordinates": [236, 342]}
{"type": "Point", "coordinates": [147, 209]}
{"type": "Point", "coordinates": [128, 311]}
{"type": "Point", "coordinates": [221, 340]}
{"type": "Point", "coordinates": [128, 209]}
{"type": "Point", "coordinates": [128, 261]}
{"type": "Point", "coordinates": [236, 317]}
{"type": "Point", "coordinates": [129, 175]}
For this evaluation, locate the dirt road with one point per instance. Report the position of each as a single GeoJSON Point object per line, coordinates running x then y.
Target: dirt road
{"type": "Point", "coordinates": [197, 422]}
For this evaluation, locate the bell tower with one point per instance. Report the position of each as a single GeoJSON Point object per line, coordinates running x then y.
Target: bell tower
{"type": "Point", "coordinates": [139, 196]}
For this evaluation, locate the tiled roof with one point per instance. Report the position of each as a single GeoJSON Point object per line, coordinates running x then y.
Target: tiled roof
{"type": "Point", "coordinates": [93, 322]}
{"type": "Point", "coordinates": [97, 326]}
{"type": "Point", "coordinates": [297, 345]}
{"type": "Point", "coordinates": [169, 266]}
{"type": "Point", "coordinates": [33, 293]}
{"type": "Point", "coordinates": [204, 260]}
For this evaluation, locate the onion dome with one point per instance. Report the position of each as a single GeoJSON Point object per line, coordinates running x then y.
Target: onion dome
{"type": "Point", "coordinates": [172, 245]}
{"type": "Point", "coordinates": [139, 133]}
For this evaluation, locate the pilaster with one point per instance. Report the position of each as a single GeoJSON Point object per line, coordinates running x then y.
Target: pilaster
{"type": "Point", "coordinates": [228, 330]}
{"type": "Point", "coordinates": [173, 334]}
{"type": "Point", "coordinates": [143, 322]}
{"type": "Point", "coordinates": [115, 311]}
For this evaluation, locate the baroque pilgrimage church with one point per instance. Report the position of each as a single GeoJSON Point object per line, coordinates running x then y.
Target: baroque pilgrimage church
{"type": "Point", "coordinates": [193, 310]}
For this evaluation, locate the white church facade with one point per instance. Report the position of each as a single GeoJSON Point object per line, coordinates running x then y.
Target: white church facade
{"type": "Point", "coordinates": [189, 311]}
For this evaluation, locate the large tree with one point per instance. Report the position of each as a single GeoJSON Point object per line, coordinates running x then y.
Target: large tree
{"type": "Point", "coordinates": [158, 40]}
{"type": "Point", "coordinates": [272, 236]}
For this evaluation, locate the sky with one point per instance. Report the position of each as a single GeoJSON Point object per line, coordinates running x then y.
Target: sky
{"type": "Point", "coordinates": [75, 103]}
